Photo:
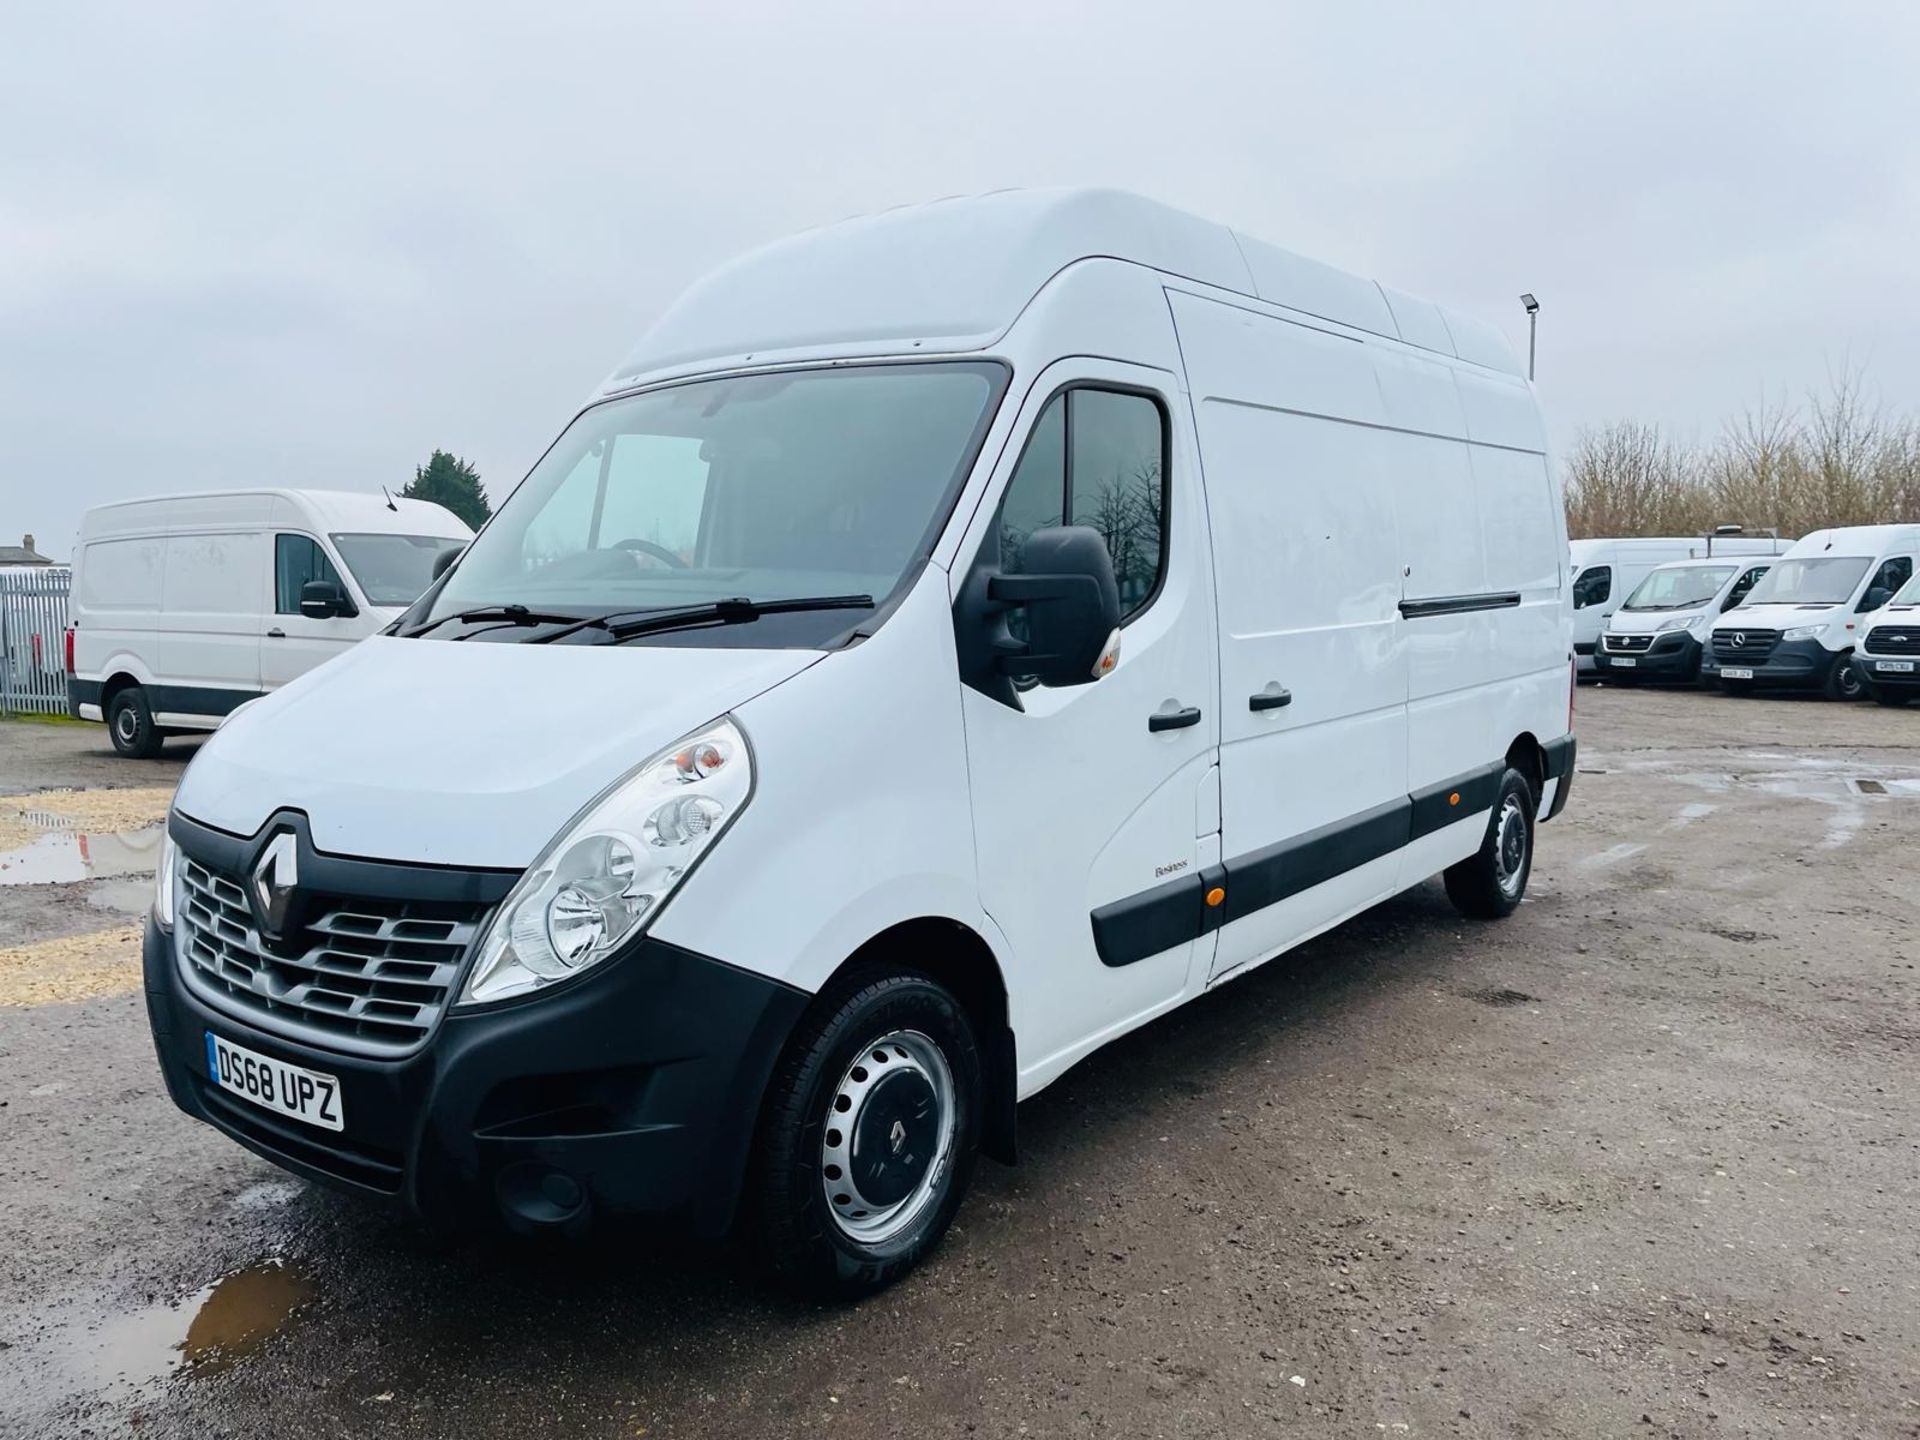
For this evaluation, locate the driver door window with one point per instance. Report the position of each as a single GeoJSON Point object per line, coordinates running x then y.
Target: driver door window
{"type": "Point", "coordinates": [1741, 586]}
{"type": "Point", "coordinates": [1892, 575]}
{"type": "Point", "coordinates": [1593, 586]}
{"type": "Point", "coordinates": [296, 560]}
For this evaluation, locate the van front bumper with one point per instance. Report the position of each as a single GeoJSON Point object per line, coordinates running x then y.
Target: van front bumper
{"type": "Point", "coordinates": [1873, 669]}
{"type": "Point", "coordinates": [633, 1090]}
{"type": "Point", "coordinates": [1673, 656]}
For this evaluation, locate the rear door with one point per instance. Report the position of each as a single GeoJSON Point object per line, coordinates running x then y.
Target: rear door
{"type": "Point", "coordinates": [1092, 817]}
{"type": "Point", "coordinates": [1300, 472]}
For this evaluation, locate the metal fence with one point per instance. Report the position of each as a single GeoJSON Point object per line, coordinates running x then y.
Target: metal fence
{"type": "Point", "coordinates": [33, 625]}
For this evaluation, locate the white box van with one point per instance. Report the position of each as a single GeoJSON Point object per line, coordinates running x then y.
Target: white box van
{"type": "Point", "coordinates": [1660, 631]}
{"type": "Point", "coordinates": [953, 639]}
{"type": "Point", "coordinates": [1797, 627]}
{"type": "Point", "coordinates": [1606, 571]}
{"type": "Point", "coordinates": [1888, 660]}
{"type": "Point", "coordinates": [187, 606]}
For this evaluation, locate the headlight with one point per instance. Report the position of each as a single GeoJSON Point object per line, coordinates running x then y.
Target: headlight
{"type": "Point", "coordinates": [1803, 632]}
{"type": "Point", "coordinates": [163, 883]}
{"type": "Point", "coordinates": [1678, 622]}
{"type": "Point", "coordinates": [608, 872]}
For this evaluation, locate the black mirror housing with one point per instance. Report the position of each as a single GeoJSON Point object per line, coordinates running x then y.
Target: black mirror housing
{"type": "Point", "coordinates": [1072, 604]}
{"type": "Point", "coordinates": [323, 600]}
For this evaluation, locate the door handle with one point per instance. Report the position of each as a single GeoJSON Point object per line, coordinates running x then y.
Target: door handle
{"type": "Point", "coordinates": [1270, 699]}
{"type": "Point", "coordinates": [276, 633]}
{"type": "Point", "coordinates": [1174, 719]}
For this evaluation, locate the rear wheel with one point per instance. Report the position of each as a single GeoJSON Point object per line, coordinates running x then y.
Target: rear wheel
{"type": "Point", "coordinates": [130, 723]}
{"type": "Point", "coordinates": [1490, 884]}
{"type": "Point", "coordinates": [868, 1135]}
{"type": "Point", "coordinates": [1843, 681]}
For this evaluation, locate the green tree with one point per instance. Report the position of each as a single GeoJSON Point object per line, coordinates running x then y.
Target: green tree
{"type": "Point", "coordinates": [453, 483]}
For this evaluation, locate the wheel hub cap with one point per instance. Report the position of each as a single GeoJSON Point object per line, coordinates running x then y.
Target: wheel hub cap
{"type": "Point", "coordinates": [887, 1138]}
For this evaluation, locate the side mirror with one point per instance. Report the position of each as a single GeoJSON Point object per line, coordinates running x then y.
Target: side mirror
{"type": "Point", "coordinates": [1874, 598]}
{"type": "Point", "coordinates": [1072, 605]}
{"type": "Point", "coordinates": [322, 600]}
{"type": "Point", "coordinates": [443, 562]}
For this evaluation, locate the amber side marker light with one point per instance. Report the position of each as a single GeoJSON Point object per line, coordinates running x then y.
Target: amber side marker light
{"type": "Point", "coordinates": [1216, 896]}
{"type": "Point", "coordinates": [1454, 798]}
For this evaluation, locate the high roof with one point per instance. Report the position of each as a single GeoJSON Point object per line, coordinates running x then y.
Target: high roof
{"type": "Point", "coordinates": [953, 275]}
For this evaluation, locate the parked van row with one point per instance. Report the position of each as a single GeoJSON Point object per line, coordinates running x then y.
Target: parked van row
{"type": "Point", "coordinates": [953, 639]}
{"type": "Point", "coordinates": [1829, 613]}
{"type": "Point", "coordinates": [184, 608]}
{"type": "Point", "coordinates": [1608, 574]}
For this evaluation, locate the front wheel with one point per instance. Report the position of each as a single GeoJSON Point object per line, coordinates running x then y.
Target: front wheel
{"type": "Point", "coordinates": [1489, 885]}
{"type": "Point", "coordinates": [1843, 681]}
{"type": "Point", "coordinates": [868, 1135]}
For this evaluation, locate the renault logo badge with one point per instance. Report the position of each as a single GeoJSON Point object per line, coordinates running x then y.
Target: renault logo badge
{"type": "Point", "coordinates": [275, 875]}
{"type": "Point", "coordinates": [897, 1137]}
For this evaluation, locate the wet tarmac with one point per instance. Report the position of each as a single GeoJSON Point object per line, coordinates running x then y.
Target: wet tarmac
{"type": "Point", "coordinates": [1638, 1161]}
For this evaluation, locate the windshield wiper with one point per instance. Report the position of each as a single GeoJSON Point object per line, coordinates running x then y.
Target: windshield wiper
{"type": "Point", "coordinates": [624, 625]}
{"type": "Point", "coordinates": [503, 614]}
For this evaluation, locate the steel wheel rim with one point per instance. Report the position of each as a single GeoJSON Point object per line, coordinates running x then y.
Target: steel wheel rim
{"type": "Point", "coordinates": [1510, 846]}
{"type": "Point", "coordinates": [126, 724]}
{"type": "Point", "coordinates": [896, 1097]}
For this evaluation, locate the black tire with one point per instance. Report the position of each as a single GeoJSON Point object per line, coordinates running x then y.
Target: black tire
{"type": "Point", "coordinates": [866, 1050]}
{"type": "Point", "coordinates": [1843, 681]}
{"type": "Point", "coordinates": [1893, 699]}
{"type": "Point", "coordinates": [130, 723]}
{"type": "Point", "coordinates": [1491, 884]}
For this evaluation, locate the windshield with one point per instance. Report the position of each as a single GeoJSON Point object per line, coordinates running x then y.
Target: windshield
{"type": "Point", "coordinates": [1680, 587]}
{"type": "Point", "coordinates": [1810, 580]}
{"type": "Point", "coordinates": [393, 569]}
{"type": "Point", "coordinates": [768, 487]}
{"type": "Point", "coordinates": [1909, 593]}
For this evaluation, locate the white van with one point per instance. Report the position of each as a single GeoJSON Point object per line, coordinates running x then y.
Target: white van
{"type": "Point", "coordinates": [1797, 628]}
{"type": "Point", "coordinates": [1660, 631]}
{"type": "Point", "coordinates": [1030, 611]}
{"type": "Point", "coordinates": [1606, 571]}
{"type": "Point", "coordinates": [187, 606]}
{"type": "Point", "coordinates": [1888, 660]}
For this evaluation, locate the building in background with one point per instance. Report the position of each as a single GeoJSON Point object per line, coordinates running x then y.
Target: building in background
{"type": "Point", "coordinates": [22, 554]}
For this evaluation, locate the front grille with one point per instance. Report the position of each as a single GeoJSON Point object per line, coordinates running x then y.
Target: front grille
{"type": "Point", "coordinates": [1894, 640]}
{"type": "Point", "coordinates": [1626, 644]}
{"type": "Point", "coordinates": [369, 976]}
{"type": "Point", "coordinates": [1743, 646]}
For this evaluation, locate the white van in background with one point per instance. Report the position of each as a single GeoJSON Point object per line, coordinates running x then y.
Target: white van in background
{"type": "Point", "coordinates": [1888, 659]}
{"type": "Point", "coordinates": [1798, 627]}
{"type": "Point", "coordinates": [953, 638]}
{"type": "Point", "coordinates": [1605, 572]}
{"type": "Point", "coordinates": [186, 606]}
{"type": "Point", "coordinates": [1660, 631]}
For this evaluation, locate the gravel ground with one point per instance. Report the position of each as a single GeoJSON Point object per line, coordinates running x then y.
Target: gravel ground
{"type": "Point", "coordinates": [1640, 1160]}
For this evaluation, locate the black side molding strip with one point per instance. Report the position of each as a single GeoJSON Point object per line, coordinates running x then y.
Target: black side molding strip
{"type": "Point", "coordinates": [1458, 604]}
{"type": "Point", "coordinates": [1155, 920]}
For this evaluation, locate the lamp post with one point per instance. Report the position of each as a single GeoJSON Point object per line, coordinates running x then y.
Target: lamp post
{"type": "Point", "coordinates": [1532, 307]}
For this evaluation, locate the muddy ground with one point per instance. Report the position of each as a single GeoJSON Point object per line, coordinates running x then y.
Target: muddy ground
{"type": "Point", "coordinates": [1641, 1160]}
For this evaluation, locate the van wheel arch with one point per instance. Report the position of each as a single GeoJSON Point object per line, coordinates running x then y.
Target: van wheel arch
{"type": "Point", "coordinates": [1529, 757]}
{"type": "Point", "coordinates": [950, 953]}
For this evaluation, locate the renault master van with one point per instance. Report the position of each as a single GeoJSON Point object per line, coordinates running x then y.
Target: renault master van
{"type": "Point", "coordinates": [1607, 571]}
{"type": "Point", "coordinates": [187, 606]}
{"type": "Point", "coordinates": [951, 640]}
{"type": "Point", "coordinates": [1798, 628]}
{"type": "Point", "coordinates": [1660, 631]}
{"type": "Point", "coordinates": [1888, 660]}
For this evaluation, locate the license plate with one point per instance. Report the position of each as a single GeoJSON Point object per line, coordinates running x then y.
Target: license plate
{"type": "Point", "coordinates": [1904, 667]}
{"type": "Point", "coordinates": [1732, 674]}
{"type": "Point", "coordinates": [1624, 660]}
{"type": "Point", "coordinates": [304, 1095]}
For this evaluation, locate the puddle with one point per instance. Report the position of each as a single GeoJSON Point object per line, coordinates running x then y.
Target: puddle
{"type": "Point", "coordinates": [203, 1334]}
{"type": "Point", "coordinates": [61, 857]}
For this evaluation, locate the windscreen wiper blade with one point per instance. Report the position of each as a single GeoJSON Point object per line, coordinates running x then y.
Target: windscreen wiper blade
{"type": "Point", "coordinates": [737, 610]}
{"type": "Point", "coordinates": [503, 614]}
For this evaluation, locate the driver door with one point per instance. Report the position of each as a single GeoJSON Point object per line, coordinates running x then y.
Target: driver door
{"type": "Point", "coordinates": [1095, 806]}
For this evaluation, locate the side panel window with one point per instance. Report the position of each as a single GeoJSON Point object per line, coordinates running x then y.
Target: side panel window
{"type": "Point", "coordinates": [1741, 586]}
{"type": "Point", "coordinates": [1095, 458]}
{"type": "Point", "coordinates": [1593, 586]}
{"type": "Point", "coordinates": [296, 560]}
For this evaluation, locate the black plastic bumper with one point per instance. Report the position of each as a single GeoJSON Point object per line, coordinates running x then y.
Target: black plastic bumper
{"type": "Point", "coordinates": [1673, 656]}
{"type": "Point", "coordinates": [631, 1091]}
{"type": "Point", "coordinates": [1789, 663]}
{"type": "Point", "coordinates": [1872, 669]}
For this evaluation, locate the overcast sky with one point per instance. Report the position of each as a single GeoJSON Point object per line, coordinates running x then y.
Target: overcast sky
{"type": "Point", "coordinates": [308, 247]}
